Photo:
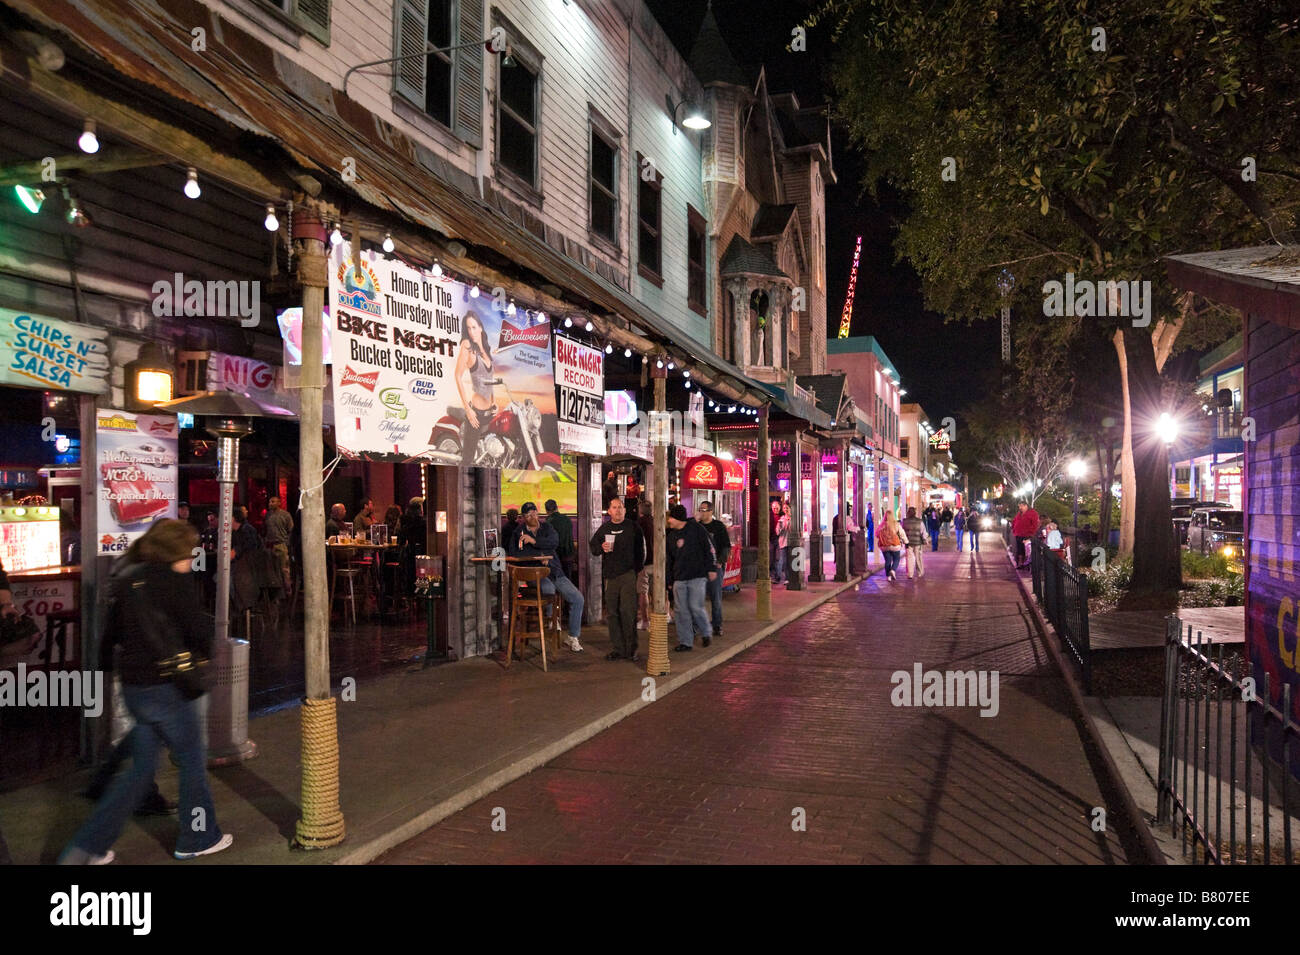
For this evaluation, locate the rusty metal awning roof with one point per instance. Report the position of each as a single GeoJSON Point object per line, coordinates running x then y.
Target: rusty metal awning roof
{"type": "Point", "coordinates": [1264, 280]}
{"type": "Point", "coordinates": [241, 80]}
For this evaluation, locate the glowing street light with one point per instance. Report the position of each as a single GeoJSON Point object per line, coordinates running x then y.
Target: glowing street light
{"type": "Point", "coordinates": [1077, 469]}
{"type": "Point", "coordinates": [1167, 428]}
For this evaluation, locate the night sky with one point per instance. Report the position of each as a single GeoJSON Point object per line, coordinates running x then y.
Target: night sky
{"type": "Point", "coordinates": [941, 364]}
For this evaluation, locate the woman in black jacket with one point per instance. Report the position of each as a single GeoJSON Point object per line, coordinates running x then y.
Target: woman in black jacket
{"type": "Point", "coordinates": [150, 620]}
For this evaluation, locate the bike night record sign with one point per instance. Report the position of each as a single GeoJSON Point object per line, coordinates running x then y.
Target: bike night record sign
{"type": "Point", "coordinates": [580, 385]}
{"type": "Point", "coordinates": [137, 476]}
{"type": "Point", "coordinates": [412, 351]}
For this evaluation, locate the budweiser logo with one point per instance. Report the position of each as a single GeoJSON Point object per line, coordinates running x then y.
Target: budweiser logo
{"type": "Point", "coordinates": [538, 336]}
{"type": "Point", "coordinates": [161, 427]}
{"type": "Point", "coordinates": [366, 381]}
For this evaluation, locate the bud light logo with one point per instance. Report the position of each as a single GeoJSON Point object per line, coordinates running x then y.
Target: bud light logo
{"type": "Point", "coordinates": [366, 381]}
{"type": "Point", "coordinates": [422, 388]}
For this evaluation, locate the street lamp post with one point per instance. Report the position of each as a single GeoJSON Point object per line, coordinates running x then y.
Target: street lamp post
{"type": "Point", "coordinates": [1076, 472]}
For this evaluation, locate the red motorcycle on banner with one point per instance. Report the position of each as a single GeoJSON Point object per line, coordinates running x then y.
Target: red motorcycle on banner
{"type": "Point", "coordinates": [511, 439]}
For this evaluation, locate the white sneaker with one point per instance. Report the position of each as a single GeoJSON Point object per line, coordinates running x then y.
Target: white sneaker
{"type": "Point", "coordinates": [223, 843]}
{"type": "Point", "coordinates": [573, 644]}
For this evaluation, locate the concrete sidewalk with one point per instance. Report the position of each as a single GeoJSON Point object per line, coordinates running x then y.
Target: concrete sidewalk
{"type": "Point", "coordinates": [414, 747]}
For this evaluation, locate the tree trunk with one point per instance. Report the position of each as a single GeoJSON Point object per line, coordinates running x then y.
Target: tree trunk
{"type": "Point", "coordinates": [1156, 566]}
{"type": "Point", "coordinates": [1128, 489]}
{"type": "Point", "coordinates": [1106, 469]}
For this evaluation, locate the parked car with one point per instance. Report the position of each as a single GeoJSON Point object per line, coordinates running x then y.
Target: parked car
{"type": "Point", "coordinates": [1215, 529]}
{"type": "Point", "coordinates": [1182, 510]}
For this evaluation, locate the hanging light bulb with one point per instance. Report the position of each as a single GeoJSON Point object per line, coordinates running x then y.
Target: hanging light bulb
{"type": "Point", "coordinates": [389, 245]}
{"type": "Point", "coordinates": [671, 364]}
{"type": "Point", "coordinates": [645, 360]}
{"type": "Point", "coordinates": [568, 322]}
{"type": "Point", "coordinates": [688, 384]}
{"type": "Point", "coordinates": [659, 362]}
{"type": "Point", "coordinates": [474, 293]}
{"type": "Point", "coordinates": [685, 374]}
{"type": "Point", "coordinates": [541, 317]}
{"type": "Point", "coordinates": [590, 327]}
{"type": "Point", "coordinates": [609, 349]}
{"type": "Point", "coordinates": [336, 237]}
{"type": "Point", "coordinates": [731, 409]}
{"type": "Point", "coordinates": [192, 183]}
{"type": "Point", "coordinates": [510, 309]}
{"type": "Point", "coordinates": [627, 353]}
{"type": "Point", "coordinates": [271, 222]}
{"type": "Point", "coordinates": [89, 142]}
{"type": "Point", "coordinates": [436, 270]}
{"type": "Point", "coordinates": [76, 215]}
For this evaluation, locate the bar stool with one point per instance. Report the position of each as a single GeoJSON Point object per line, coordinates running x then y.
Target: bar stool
{"type": "Point", "coordinates": [344, 568]}
{"type": "Point", "coordinates": [527, 600]}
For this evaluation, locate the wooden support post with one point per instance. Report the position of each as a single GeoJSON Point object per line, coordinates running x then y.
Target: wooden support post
{"type": "Point", "coordinates": [841, 539]}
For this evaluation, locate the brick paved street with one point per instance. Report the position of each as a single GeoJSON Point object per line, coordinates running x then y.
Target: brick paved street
{"type": "Point", "coordinates": [715, 771]}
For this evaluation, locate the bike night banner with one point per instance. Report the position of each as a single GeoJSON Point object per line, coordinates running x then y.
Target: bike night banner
{"type": "Point", "coordinates": [137, 474]}
{"type": "Point", "coordinates": [423, 367]}
{"type": "Point", "coordinates": [580, 384]}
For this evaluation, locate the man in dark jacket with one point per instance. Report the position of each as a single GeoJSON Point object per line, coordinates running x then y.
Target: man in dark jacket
{"type": "Point", "coordinates": [564, 532]}
{"type": "Point", "coordinates": [619, 544]}
{"type": "Point", "coordinates": [721, 539]}
{"type": "Point", "coordinates": [645, 521]}
{"type": "Point", "coordinates": [690, 567]}
{"type": "Point", "coordinates": [536, 538]}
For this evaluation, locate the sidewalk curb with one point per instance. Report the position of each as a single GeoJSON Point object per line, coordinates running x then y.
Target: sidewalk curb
{"type": "Point", "coordinates": [1137, 819]}
{"type": "Point", "coordinates": [371, 850]}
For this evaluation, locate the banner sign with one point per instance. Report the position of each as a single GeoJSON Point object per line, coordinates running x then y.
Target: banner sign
{"type": "Point", "coordinates": [245, 376]}
{"type": "Point", "coordinates": [137, 475]}
{"type": "Point", "coordinates": [580, 385]}
{"type": "Point", "coordinates": [709, 473]}
{"type": "Point", "coordinates": [40, 352]}
{"type": "Point", "coordinates": [424, 367]}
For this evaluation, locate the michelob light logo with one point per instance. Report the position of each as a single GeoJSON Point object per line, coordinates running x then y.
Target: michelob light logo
{"type": "Point", "coordinates": [366, 381]}
{"type": "Point", "coordinates": [536, 336]}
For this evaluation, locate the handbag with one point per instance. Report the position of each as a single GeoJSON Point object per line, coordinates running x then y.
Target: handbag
{"type": "Point", "coordinates": [177, 664]}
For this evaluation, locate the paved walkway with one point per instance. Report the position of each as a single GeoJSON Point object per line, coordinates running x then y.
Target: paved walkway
{"type": "Point", "coordinates": [802, 726]}
{"type": "Point", "coordinates": [414, 746]}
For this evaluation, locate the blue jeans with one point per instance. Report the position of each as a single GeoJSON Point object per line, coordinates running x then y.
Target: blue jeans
{"type": "Point", "coordinates": [162, 716]}
{"type": "Point", "coordinates": [933, 531]}
{"type": "Point", "coordinates": [714, 593]}
{"type": "Point", "coordinates": [691, 614]}
{"type": "Point", "coordinates": [780, 564]}
{"type": "Point", "coordinates": [961, 536]}
{"type": "Point", "coordinates": [570, 593]}
{"type": "Point", "coordinates": [974, 539]}
{"type": "Point", "coordinates": [892, 559]}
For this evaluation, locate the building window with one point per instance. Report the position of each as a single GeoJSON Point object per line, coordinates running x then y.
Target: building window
{"type": "Point", "coordinates": [695, 257]}
{"type": "Point", "coordinates": [904, 448]}
{"type": "Point", "coordinates": [309, 16]}
{"type": "Point", "coordinates": [517, 114]}
{"type": "Point", "coordinates": [603, 181]}
{"type": "Point", "coordinates": [649, 210]}
{"type": "Point", "coordinates": [444, 84]}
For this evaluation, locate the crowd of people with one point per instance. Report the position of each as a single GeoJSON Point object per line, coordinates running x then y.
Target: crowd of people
{"type": "Point", "coordinates": [909, 537]}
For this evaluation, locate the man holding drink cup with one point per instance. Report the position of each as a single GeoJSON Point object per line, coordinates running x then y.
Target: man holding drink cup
{"type": "Point", "coordinates": [621, 547]}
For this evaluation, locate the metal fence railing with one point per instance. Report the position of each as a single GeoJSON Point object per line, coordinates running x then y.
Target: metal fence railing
{"type": "Point", "coordinates": [1062, 592]}
{"type": "Point", "coordinates": [1202, 680]}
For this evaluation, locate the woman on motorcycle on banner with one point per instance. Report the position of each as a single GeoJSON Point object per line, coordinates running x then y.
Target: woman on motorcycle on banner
{"type": "Point", "coordinates": [474, 365]}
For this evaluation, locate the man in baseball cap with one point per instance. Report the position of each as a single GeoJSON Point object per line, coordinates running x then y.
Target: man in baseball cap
{"type": "Point", "coordinates": [536, 538]}
{"type": "Point", "coordinates": [691, 564]}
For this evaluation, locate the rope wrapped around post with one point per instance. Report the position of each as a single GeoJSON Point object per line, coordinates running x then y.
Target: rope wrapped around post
{"type": "Point", "coordinates": [321, 825]}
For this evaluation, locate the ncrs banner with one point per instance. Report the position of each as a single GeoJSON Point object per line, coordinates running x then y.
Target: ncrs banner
{"type": "Point", "coordinates": [425, 368]}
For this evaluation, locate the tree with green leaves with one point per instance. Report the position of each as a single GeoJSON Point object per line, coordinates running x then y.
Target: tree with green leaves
{"type": "Point", "coordinates": [1047, 137]}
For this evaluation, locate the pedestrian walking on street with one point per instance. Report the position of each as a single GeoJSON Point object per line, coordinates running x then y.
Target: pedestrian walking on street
{"type": "Point", "coordinates": [534, 539]}
{"type": "Point", "coordinates": [1023, 527]}
{"type": "Point", "coordinates": [973, 528]}
{"type": "Point", "coordinates": [871, 529]}
{"type": "Point", "coordinates": [151, 629]}
{"type": "Point", "coordinates": [890, 538]}
{"type": "Point", "coordinates": [932, 526]}
{"type": "Point", "coordinates": [959, 525]}
{"type": "Point", "coordinates": [945, 520]}
{"type": "Point", "coordinates": [721, 538]}
{"type": "Point", "coordinates": [691, 562]}
{"type": "Point", "coordinates": [915, 532]}
{"type": "Point", "coordinates": [619, 544]}
{"type": "Point", "coordinates": [279, 532]}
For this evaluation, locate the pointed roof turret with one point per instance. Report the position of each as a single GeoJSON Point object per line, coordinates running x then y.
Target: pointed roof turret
{"type": "Point", "coordinates": [711, 58]}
